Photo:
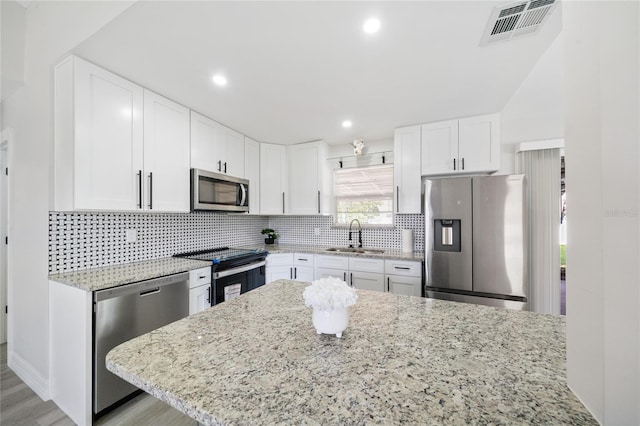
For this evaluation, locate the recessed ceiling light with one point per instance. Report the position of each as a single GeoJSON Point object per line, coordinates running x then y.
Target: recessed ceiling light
{"type": "Point", "coordinates": [346, 124]}
{"type": "Point", "coordinates": [371, 25]}
{"type": "Point", "coordinates": [220, 80]}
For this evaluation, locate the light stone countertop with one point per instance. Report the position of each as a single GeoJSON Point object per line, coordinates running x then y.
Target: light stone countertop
{"type": "Point", "coordinates": [117, 275]}
{"type": "Point", "coordinates": [258, 360]}
{"type": "Point", "coordinates": [395, 254]}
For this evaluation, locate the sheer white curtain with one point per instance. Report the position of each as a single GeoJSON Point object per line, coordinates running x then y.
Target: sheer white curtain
{"type": "Point", "coordinates": [542, 168]}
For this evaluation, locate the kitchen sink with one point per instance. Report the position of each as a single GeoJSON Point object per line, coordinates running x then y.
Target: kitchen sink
{"type": "Point", "coordinates": [355, 250]}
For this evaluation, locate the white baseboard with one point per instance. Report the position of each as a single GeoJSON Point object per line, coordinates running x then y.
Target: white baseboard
{"type": "Point", "coordinates": [27, 374]}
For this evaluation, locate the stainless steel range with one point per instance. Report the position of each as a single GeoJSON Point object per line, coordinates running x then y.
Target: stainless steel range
{"type": "Point", "coordinates": [233, 271]}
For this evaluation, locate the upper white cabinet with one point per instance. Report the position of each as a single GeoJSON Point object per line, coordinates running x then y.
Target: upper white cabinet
{"type": "Point", "coordinates": [309, 179]}
{"type": "Point", "coordinates": [233, 162]}
{"type": "Point", "coordinates": [468, 145]}
{"type": "Point", "coordinates": [215, 147]}
{"type": "Point", "coordinates": [106, 151]}
{"type": "Point", "coordinates": [166, 154]}
{"type": "Point", "coordinates": [273, 179]}
{"type": "Point", "coordinates": [252, 173]}
{"type": "Point", "coordinates": [406, 170]}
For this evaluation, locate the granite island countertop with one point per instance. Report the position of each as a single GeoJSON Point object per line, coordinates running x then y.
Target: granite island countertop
{"type": "Point", "coordinates": [258, 360]}
{"type": "Point", "coordinates": [112, 276]}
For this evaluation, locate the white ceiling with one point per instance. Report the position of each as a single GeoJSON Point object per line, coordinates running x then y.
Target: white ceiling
{"type": "Point", "coordinates": [296, 70]}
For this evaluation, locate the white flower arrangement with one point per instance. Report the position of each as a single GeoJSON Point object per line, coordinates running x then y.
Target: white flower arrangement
{"type": "Point", "coordinates": [329, 294]}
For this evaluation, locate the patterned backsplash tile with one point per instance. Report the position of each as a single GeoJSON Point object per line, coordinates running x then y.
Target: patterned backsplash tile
{"type": "Point", "coordinates": [81, 240]}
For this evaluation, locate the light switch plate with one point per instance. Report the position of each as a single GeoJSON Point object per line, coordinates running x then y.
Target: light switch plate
{"type": "Point", "coordinates": [131, 235]}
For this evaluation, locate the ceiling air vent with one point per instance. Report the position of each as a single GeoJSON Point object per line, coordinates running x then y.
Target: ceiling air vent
{"type": "Point", "coordinates": [516, 19]}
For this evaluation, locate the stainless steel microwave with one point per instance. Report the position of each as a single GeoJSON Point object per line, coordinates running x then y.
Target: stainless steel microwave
{"type": "Point", "coordinates": [218, 192]}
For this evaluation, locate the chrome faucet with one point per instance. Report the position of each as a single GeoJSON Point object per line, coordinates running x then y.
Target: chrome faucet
{"type": "Point", "coordinates": [359, 233]}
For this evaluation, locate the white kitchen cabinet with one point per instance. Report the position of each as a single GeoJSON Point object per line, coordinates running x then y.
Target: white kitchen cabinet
{"type": "Point", "coordinates": [366, 273]}
{"type": "Point", "coordinates": [166, 154]}
{"type": "Point", "coordinates": [468, 145]}
{"type": "Point", "coordinates": [331, 266]}
{"type": "Point", "coordinates": [403, 277]}
{"type": "Point", "coordinates": [406, 170]}
{"type": "Point", "coordinates": [273, 179]}
{"type": "Point", "coordinates": [407, 286]}
{"type": "Point", "coordinates": [279, 266]}
{"type": "Point", "coordinates": [479, 143]}
{"type": "Point", "coordinates": [303, 269]}
{"type": "Point", "coordinates": [309, 179]}
{"type": "Point", "coordinates": [216, 148]}
{"type": "Point", "coordinates": [233, 162]}
{"type": "Point", "coordinates": [321, 272]}
{"type": "Point", "coordinates": [252, 173]}
{"type": "Point", "coordinates": [98, 139]}
{"type": "Point", "coordinates": [205, 143]}
{"type": "Point", "coordinates": [359, 272]}
{"type": "Point", "coordinates": [117, 146]}
{"type": "Point", "coordinates": [199, 290]}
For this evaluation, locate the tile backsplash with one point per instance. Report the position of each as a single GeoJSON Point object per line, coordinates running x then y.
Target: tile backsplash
{"type": "Point", "coordinates": [81, 240]}
{"type": "Point", "coordinates": [89, 240]}
{"type": "Point", "coordinates": [319, 231]}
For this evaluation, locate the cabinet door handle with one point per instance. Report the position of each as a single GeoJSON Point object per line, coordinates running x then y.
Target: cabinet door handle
{"type": "Point", "coordinates": [344, 276]}
{"type": "Point", "coordinates": [397, 199]}
{"type": "Point", "coordinates": [388, 284]}
{"type": "Point", "coordinates": [462, 163]}
{"type": "Point", "coordinates": [225, 167]}
{"type": "Point", "coordinates": [140, 189]}
{"type": "Point", "coordinates": [150, 190]}
{"type": "Point", "coordinates": [283, 203]}
{"type": "Point", "coordinates": [219, 165]}
{"type": "Point", "coordinates": [302, 260]}
{"type": "Point", "coordinates": [209, 295]}
{"type": "Point", "coordinates": [401, 267]}
{"type": "Point", "coordinates": [454, 164]}
{"type": "Point", "coordinates": [202, 277]}
{"type": "Point", "coordinates": [318, 202]}
{"type": "Point", "coordinates": [351, 279]}
{"type": "Point", "coordinates": [295, 273]}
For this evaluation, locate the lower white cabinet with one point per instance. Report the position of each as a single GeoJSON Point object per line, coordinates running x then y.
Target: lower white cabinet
{"type": "Point", "coordinates": [403, 277]}
{"type": "Point", "coordinates": [290, 266]}
{"type": "Point", "coordinates": [303, 267]}
{"type": "Point", "coordinates": [366, 280]}
{"type": "Point", "coordinates": [359, 272]}
{"type": "Point", "coordinates": [199, 290]}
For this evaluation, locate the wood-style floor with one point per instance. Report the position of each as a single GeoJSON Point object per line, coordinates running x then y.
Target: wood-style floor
{"type": "Point", "coordinates": [20, 406]}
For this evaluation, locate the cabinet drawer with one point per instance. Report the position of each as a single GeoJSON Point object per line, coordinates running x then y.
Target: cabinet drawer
{"type": "Point", "coordinates": [333, 262]}
{"type": "Point", "coordinates": [278, 259]}
{"type": "Point", "coordinates": [303, 259]}
{"type": "Point", "coordinates": [329, 272]}
{"type": "Point", "coordinates": [403, 267]}
{"type": "Point", "coordinates": [198, 277]}
{"type": "Point", "coordinates": [365, 264]}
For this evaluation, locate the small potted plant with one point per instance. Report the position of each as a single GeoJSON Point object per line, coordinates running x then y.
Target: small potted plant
{"type": "Point", "coordinates": [270, 235]}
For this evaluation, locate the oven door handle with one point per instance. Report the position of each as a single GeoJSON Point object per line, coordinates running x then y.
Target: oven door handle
{"type": "Point", "coordinates": [238, 270]}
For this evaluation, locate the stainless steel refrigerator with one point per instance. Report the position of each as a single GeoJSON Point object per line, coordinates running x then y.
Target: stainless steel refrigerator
{"type": "Point", "coordinates": [475, 240]}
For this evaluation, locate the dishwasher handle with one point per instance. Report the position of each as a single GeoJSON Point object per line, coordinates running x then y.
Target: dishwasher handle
{"type": "Point", "coordinates": [144, 288]}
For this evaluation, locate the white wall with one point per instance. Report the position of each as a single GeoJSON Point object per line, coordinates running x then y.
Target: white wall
{"type": "Point", "coordinates": [12, 47]}
{"type": "Point", "coordinates": [602, 140]}
{"type": "Point", "coordinates": [52, 29]}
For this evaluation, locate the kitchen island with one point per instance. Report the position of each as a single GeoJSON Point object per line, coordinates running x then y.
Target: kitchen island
{"type": "Point", "coordinates": [258, 360]}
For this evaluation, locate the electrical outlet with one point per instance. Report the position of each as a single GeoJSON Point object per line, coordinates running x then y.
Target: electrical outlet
{"type": "Point", "coordinates": [316, 232]}
{"type": "Point", "coordinates": [131, 235]}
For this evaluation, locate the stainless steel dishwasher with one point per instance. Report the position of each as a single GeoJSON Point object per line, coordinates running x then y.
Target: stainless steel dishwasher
{"type": "Point", "coordinates": [125, 312]}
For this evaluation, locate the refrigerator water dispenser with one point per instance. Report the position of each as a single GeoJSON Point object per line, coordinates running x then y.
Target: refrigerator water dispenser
{"type": "Point", "coordinates": [447, 235]}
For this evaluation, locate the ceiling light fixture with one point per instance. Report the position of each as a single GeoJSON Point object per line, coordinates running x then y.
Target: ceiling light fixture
{"type": "Point", "coordinates": [347, 124]}
{"type": "Point", "coordinates": [371, 25]}
{"type": "Point", "coordinates": [220, 80]}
